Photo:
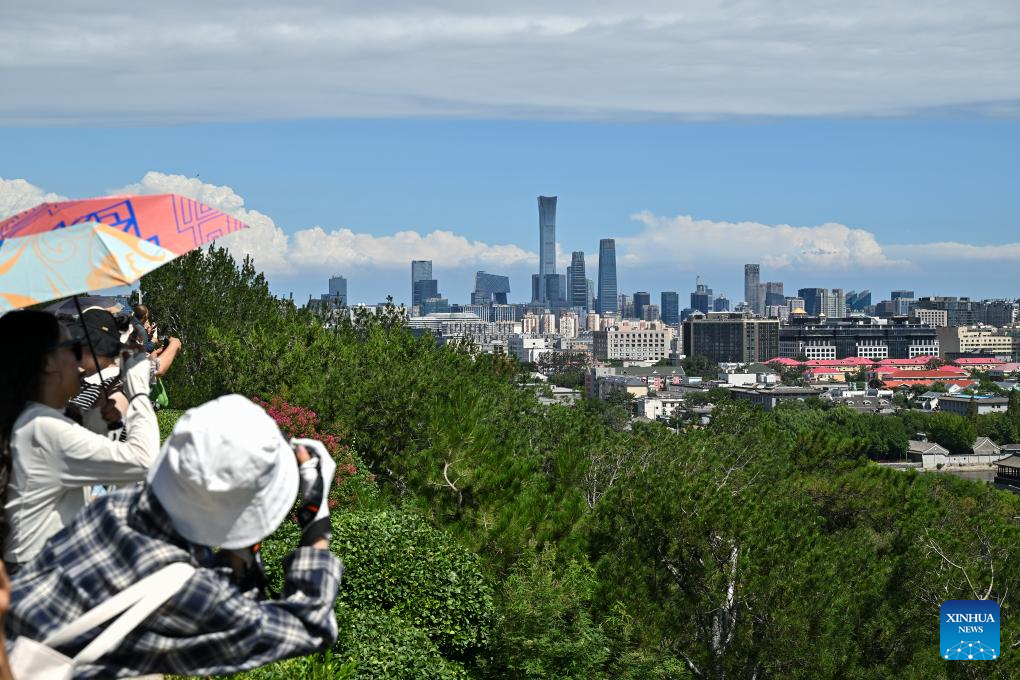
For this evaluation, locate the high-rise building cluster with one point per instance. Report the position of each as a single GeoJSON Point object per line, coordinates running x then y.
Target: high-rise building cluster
{"type": "Point", "coordinates": [584, 311]}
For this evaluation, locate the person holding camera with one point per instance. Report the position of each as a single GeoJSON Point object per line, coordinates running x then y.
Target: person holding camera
{"type": "Point", "coordinates": [165, 349]}
{"type": "Point", "coordinates": [46, 459]}
{"type": "Point", "coordinates": [225, 478]}
{"type": "Point", "coordinates": [100, 404]}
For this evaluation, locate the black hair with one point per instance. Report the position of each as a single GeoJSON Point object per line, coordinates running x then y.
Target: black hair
{"type": "Point", "coordinates": [26, 339]}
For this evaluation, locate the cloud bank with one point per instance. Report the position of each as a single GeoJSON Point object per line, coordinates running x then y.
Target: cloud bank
{"type": "Point", "coordinates": [190, 61]}
{"type": "Point", "coordinates": [688, 242]}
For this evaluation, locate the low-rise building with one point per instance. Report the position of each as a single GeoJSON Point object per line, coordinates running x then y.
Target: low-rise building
{"type": "Point", "coordinates": [957, 341]}
{"type": "Point", "coordinates": [770, 397]}
{"type": "Point", "coordinates": [933, 457]}
{"type": "Point", "coordinates": [980, 404]}
{"type": "Point", "coordinates": [643, 341]}
{"type": "Point", "coordinates": [528, 349]}
{"type": "Point", "coordinates": [1004, 370]}
{"type": "Point", "coordinates": [1007, 475]}
{"type": "Point", "coordinates": [977, 363]}
{"type": "Point", "coordinates": [636, 387]}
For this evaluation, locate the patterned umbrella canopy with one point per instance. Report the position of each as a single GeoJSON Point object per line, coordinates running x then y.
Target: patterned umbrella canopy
{"type": "Point", "coordinates": [172, 222]}
{"type": "Point", "coordinates": [55, 264]}
{"type": "Point", "coordinates": [68, 309]}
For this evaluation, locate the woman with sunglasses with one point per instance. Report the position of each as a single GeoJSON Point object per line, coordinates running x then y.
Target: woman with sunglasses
{"type": "Point", "coordinates": [46, 459]}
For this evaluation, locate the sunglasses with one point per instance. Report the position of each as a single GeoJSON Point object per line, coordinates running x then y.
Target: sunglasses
{"type": "Point", "coordinates": [74, 345]}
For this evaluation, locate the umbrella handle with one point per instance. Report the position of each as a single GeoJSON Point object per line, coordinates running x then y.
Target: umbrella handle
{"type": "Point", "coordinates": [92, 349]}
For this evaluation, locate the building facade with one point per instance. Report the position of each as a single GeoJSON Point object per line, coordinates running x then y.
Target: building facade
{"type": "Point", "coordinates": [752, 279]}
{"type": "Point", "coordinates": [607, 277]}
{"type": "Point", "coordinates": [421, 271]}
{"type": "Point", "coordinates": [731, 337]}
{"type": "Point", "coordinates": [578, 281]}
{"type": "Point", "coordinates": [490, 288]}
{"type": "Point", "coordinates": [641, 300]}
{"type": "Point", "coordinates": [670, 307]}
{"type": "Point", "coordinates": [858, 337]}
{"type": "Point", "coordinates": [633, 341]}
{"type": "Point", "coordinates": [546, 243]}
{"type": "Point", "coordinates": [936, 318]}
{"type": "Point", "coordinates": [979, 339]}
{"type": "Point", "coordinates": [702, 298]}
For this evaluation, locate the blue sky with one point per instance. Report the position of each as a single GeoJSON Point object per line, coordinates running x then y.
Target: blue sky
{"type": "Point", "coordinates": [871, 145]}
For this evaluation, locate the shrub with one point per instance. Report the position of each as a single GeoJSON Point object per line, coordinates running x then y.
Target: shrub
{"type": "Point", "coordinates": [349, 490]}
{"type": "Point", "coordinates": [396, 562]}
{"type": "Point", "coordinates": [167, 418]}
{"type": "Point", "coordinates": [383, 646]}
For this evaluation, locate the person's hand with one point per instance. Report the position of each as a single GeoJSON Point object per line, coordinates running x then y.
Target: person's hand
{"type": "Point", "coordinates": [138, 371]}
{"type": "Point", "coordinates": [108, 409]}
{"type": "Point", "coordinates": [316, 469]}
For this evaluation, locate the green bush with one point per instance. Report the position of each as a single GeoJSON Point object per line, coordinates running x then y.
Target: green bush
{"type": "Point", "coordinates": [322, 666]}
{"type": "Point", "coordinates": [167, 418]}
{"type": "Point", "coordinates": [396, 562]}
{"type": "Point", "coordinates": [383, 646]}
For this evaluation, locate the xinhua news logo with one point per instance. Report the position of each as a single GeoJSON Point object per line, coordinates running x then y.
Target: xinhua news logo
{"type": "Point", "coordinates": [969, 630]}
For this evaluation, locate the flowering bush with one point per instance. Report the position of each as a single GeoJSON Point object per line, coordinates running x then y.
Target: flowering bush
{"type": "Point", "coordinates": [303, 423]}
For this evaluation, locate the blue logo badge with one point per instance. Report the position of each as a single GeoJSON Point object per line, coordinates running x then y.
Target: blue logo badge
{"type": "Point", "coordinates": [969, 630]}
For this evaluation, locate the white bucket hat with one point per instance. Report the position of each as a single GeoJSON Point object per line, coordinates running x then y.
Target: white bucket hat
{"type": "Point", "coordinates": [226, 476]}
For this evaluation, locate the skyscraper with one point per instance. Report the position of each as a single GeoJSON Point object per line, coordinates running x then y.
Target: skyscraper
{"type": "Point", "coordinates": [774, 294]}
{"type": "Point", "coordinates": [546, 242]}
{"type": "Point", "coordinates": [490, 288]}
{"type": "Point", "coordinates": [423, 285]}
{"type": "Point", "coordinates": [338, 290]}
{"type": "Point", "coordinates": [752, 277]}
{"type": "Point", "coordinates": [607, 301]}
{"type": "Point", "coordinates": [670, 305]}
{"type": "Point", "coordinates": [421, 270]}
{"type": "Point", "coordinates": [702, 298]}
{"type": "Point", "coordinates": [641, 300]}
{"type": "Point", "coordinates": [578, 281]}
{"type": "Point", "coordinates": [814, 300]}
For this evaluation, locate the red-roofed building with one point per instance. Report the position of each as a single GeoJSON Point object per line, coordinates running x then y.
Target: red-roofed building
{"type": "Point", "coordinates": [914, 363]}
{"type": "Point", "coordinates": [822, 374]}
{"type": "Point", "coordinates": [783, 361]}
{"type": "Point", "coordinates": [978, 363]}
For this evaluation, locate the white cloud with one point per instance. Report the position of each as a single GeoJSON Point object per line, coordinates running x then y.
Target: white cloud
{"type": "Point", "coordinates": [578, 59]}
{"type": "Point", "coordinates": [687, 242]}
{"type": "Point", "coordinates": [950, 252]}
{"type": "Point", "coordinates": [17, 195]}
{"type": "Point", "coordinates": [316, 247]}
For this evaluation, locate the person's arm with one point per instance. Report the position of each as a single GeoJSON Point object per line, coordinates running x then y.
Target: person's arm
{"type": "Point", "coordinates": [167, 356]}
{"type": "Point", "coordinates": [81, 457]}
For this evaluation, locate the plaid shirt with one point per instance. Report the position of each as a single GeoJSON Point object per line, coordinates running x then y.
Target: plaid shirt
{"type": "Point", "coordinates": [209, 627]}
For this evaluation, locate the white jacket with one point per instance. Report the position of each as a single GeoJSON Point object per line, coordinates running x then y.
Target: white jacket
{"type": "Point", "coordinates": [53, 459]}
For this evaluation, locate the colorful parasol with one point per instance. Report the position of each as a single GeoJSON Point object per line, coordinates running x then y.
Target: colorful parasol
{"type": "Point", "coordinates": [174, 223]}
{"type": "Point", "coordinates": [56, 264]}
